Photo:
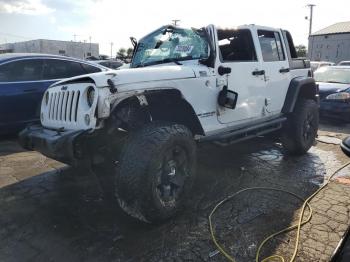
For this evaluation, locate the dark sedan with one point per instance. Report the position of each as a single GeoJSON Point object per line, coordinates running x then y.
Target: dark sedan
{"type": "Point", "coordinates": [334, 84]}
{"type": "Point", "coordinates": [24, 79]}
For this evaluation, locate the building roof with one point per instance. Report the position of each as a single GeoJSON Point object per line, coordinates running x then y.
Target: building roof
{"type": "Point", "coordinates": [338, 28]}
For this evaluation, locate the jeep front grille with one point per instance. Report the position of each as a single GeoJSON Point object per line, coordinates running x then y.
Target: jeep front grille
{"type": "Point", "coordinates": [63, 106]}
{"type": "Point", "coordinates": [66, 106]}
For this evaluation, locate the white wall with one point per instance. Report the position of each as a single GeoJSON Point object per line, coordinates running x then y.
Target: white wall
{"type": "Point", "coordinates": [334, 48]}
{"type": "Point", "coordinates": [72, 49]}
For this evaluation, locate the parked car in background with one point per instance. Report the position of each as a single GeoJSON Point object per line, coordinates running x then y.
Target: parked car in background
{"type": "Point", "coordinates": [113, 64]}
{"type": "Point", "coordinates": [334, 85]}
{"type": "Point", "coordinates": [344, 63]}
{"type": "Point", "coordinates": [99, 57]}
{"type": "Point", "coordinates": [124, 66]}
{"type": "Point", "coordinates": [24, 79]}
{"type": "Point", "coordinates": [318, 64]}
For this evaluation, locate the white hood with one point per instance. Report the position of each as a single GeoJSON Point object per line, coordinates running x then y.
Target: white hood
{"type": "Point", "coordinates": [152, 73]}
{"type": "Point", "coordinates": [136, 75]}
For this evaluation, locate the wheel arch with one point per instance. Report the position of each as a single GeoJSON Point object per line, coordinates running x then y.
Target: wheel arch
{"type": "Point", "coordinates": [162, 105]}
{"type": "Point", "coordinates": [304, 87]}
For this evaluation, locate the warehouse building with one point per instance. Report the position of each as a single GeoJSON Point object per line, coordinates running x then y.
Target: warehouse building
{"type": "Point", "coordinates": [55, 47]}
{"type": "Point", "coordinates": [331, 43]}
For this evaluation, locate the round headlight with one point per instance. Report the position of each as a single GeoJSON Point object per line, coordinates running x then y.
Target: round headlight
{"type": "Point", "coordinates": [90, 95]}
{"type": "Point", "coordinates": [339, 96]}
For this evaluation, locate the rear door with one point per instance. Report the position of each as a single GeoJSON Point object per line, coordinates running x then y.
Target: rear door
{"type": "Point", "coordinates": [276, 67]}
{"type": "Point", "coordinates": [20, 91]}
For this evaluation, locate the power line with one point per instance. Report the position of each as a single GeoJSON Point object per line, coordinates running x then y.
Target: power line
{"type": "Point", "coordinates": [17, 36]}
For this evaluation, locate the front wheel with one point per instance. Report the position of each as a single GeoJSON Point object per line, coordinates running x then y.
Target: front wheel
{"type": "Point", "coordinates": [300, 130]}
{"type": "Point", "coordinates": [157, 169]}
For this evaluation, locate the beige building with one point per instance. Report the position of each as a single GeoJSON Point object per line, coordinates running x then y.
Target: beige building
{"type": "Point", "coordinates": [331, 43]}
{"type": "Point", "coordinates": [54, 47]}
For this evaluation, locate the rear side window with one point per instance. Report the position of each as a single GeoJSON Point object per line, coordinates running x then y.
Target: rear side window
{"type": "Point", "coordinates": [58, 69]}
{"type": "Point", "coordinates": [90, 69]}
{"type": "Point", "coordinates": [24, 70]}
{"type": "Point", "coordinates": [236, 46]}
{"type": "Point", "coordinates": [271, 46]}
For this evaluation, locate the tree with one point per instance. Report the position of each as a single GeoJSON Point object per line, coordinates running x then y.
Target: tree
{"type": "Point", "coordinates": [301, 50]}
{"type": "Point", "coordinates": [125, 54]}
{"type": "Point", "coordinates": [129, 52]}
{"type": "Point", "coordinates": [121, 54]}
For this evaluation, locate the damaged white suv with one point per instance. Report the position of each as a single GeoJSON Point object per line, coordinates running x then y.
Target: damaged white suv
{"type": "Point", "coordinates": [184, 87]}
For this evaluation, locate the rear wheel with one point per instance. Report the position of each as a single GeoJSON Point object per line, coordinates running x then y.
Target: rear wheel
{"type": "Point", "coordinates": [300, 129]}
{"type": "Point", "coordinates": [156, 173]}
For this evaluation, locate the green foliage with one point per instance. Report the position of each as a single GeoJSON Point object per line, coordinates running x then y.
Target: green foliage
{"type": "Point", "coordinates": [301, 50]}
{"type": "Point", "coordinates": [125, 54]}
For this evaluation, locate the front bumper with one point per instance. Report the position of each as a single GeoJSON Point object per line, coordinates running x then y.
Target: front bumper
{"type": "Point", "coordinates": [64, 146]}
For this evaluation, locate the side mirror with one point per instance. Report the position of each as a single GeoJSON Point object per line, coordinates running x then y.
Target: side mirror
{"type": "Point", "coordinates": [224, 70]}
{"type": "Point", "coordinates": [345, 146]}
{"type": "Point", "coordinates": [227, 98]}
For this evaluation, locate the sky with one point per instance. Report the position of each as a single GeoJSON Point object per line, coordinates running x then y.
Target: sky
{"type": "Point", "coordinates": [114, 21]}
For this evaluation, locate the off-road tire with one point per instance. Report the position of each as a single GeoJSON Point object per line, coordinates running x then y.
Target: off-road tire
{"type": "Point", "coordinates": [300, 129]}
{"type": "Point", "coordinates": [143, 166]}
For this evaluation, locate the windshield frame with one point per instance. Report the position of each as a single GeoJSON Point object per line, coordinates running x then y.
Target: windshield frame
{"type": "Point", "coordinates": [174, 60]}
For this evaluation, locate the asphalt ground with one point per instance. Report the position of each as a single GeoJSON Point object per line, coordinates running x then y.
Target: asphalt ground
{"type": "Point", "coordinates": [53, 212]}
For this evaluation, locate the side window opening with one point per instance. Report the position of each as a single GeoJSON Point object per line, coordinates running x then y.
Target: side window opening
{"type": "Point", "coordinates": [58, 69]}
{"type": "Point", "coordinates": [271, 46]}
{"type": "Point", "coordinates": [23, 70]}
{"type": "Point", "coordinates": [90, 69]}
{"type": "Point", "coordinates": [293, 51]}
{"type": "Point", "coordinates": [236, 45]}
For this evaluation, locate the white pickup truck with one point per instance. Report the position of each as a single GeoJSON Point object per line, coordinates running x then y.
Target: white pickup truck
{"type": "Point", "coordinates": [184, 87]}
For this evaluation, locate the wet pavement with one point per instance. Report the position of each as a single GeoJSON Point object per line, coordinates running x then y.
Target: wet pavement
{"type": "Point", "coordinates": [52, 212]}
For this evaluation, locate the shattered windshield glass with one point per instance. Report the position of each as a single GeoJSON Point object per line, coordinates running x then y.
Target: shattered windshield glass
{"type": "Point", "coordinates": [171, 44]}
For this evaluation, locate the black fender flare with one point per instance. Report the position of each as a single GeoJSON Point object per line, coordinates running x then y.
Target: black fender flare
{"type": "Point", "coordinates": [166, 100]}
{"type": "Point", "coordinates": [301, 86]}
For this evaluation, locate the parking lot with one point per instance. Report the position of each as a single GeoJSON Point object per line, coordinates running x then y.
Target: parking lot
{"type": "Point", "coordinates": [53, 212]}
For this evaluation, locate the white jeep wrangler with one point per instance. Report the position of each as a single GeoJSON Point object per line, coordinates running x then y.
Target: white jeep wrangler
{"type": "Point", "coordinates": [184, 86]}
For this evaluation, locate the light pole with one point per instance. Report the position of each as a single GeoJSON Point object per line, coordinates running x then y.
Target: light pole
{"type": "Point", "coordinates": [175, 21]}
{"type": "Point", "coordinates": [311, 6]}
{"type": "Point", "coordinates": [111, 49]}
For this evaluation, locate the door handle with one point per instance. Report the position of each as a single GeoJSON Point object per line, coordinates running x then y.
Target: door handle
{"type": "Point", "coordinates": [284, 70]}
{"type": "Point", "coordinates": [258, 72]}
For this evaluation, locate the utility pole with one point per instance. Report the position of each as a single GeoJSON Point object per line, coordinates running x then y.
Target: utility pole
{"type": "Point", "coordinates": [90, 43]}
{"type": "Point", "coordinates": [311, 6]}
{"type": "Point", "coordinates": [111, 49]}
{"type": "Point", "coordinates": [175, 21]}
{"type": "Point", "coordinates": [75, 37]}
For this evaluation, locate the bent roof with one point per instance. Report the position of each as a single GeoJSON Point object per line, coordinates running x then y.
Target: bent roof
{"type": "Point", "coordinates": [338, 28]}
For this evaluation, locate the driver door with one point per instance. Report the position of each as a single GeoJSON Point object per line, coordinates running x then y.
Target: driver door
{"type": "Point", "coordinates": [237, 51]}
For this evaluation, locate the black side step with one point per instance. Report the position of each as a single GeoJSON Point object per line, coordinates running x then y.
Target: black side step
{"type": "Point", "coordinates": [238, 135]}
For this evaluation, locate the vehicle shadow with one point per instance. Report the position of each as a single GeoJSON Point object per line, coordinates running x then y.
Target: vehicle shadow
{"type": "Point", "coordinates": [68, 215]}
{"type": "Point", "coordinates": [9, 145]}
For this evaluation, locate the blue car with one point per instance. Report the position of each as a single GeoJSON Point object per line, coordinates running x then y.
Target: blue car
{"type": "Point", "coordinates": [334, 85]}
{"type": "Point", "coordinates": [23, 81]}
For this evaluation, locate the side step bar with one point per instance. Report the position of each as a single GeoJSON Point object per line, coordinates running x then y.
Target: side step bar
{"type": "Point", "coordinates": [238, 135]}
